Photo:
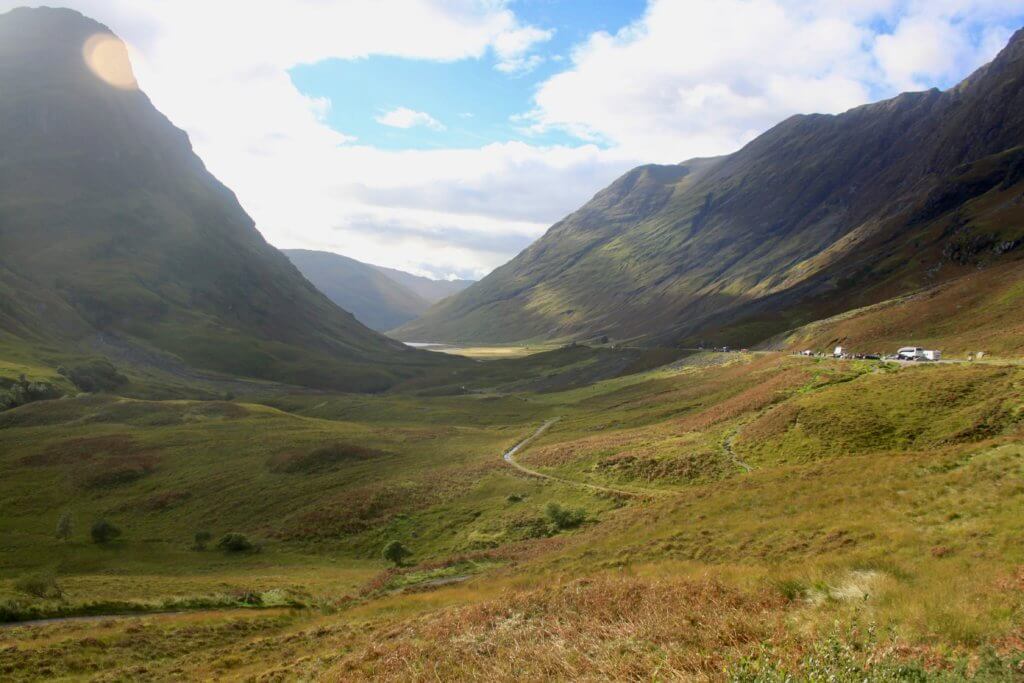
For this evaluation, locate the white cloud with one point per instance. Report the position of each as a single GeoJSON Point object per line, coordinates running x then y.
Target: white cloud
{"type": "Point", "coordinates": [702, 77]}
{"type": "Point", "coordinates": [403, 117]}
{"type": "Point", "coordinates": [936, 41]}
{"type": "Point", "coordinates": [512, 48]}
{"type": "Point", "coordinates": [688, 78]}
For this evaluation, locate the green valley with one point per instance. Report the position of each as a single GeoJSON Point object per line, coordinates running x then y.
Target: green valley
{"type": "Point", "coordinates": [631, 453]}
{"type": "Point", "coordinates": [819, 499]}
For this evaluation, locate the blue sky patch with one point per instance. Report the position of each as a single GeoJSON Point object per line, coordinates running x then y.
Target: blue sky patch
{"type": "Point", "coordinates": [472, 103]}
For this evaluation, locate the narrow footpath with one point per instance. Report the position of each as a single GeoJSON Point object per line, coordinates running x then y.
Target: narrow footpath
{"type": "Point", "coordinates": [510, 454]}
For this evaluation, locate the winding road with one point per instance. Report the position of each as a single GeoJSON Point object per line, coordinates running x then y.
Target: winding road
{"type": "Point", "coordinates": [509, 457]}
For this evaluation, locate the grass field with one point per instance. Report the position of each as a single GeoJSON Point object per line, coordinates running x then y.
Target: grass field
{"type": "Point", "coordinates": [798, 517]}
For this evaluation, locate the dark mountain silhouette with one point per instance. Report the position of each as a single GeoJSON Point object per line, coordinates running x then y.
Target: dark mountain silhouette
{"type": "Point", "coordinates": [111, 228]}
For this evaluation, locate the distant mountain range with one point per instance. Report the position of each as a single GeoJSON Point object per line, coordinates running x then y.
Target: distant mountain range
{"type": "Point", "coordinates": [817, 216]}
{"type": "Point", "coordinates": [380, 298]}
{"type": "Point", "coordinates": [429, 289]}
{"type": "Point", "coordinates": [114, 235]}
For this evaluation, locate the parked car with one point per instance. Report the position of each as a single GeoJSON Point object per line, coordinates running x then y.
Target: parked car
{"type": "Point", "coordinates": [911, 353]}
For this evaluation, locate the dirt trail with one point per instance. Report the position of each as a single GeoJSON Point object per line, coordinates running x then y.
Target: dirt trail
{"type": "Point", "coordinates": [509, 457]}
{"type": "Point", "coordinates": [727, 445]}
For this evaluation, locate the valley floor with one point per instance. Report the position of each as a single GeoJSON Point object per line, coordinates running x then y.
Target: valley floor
{"type": "Point", "coordinates": [756, 517]}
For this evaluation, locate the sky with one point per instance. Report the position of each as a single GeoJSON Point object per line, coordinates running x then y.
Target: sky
{"type": "Point", "coordinates": [442, 137]}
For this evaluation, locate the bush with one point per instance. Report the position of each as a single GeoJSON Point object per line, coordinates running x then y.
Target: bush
{"type": "Point", "coordinates": [94, 375]}
{"type": "Point", "coordinates": [201, 540]}
{"type": "Point", "coordinates": [236, 543]}
{"type": "Point", "coordinates": [63, 531]}
{"type": "Point", "coordinates": [563, 517]}
{"type": "Point", "coordinates": [14, 394]}
{"type": "Point", "coordinates": [396, 553]}
{"type": "Point", "coordinates": [104, 532]}
{"type": "Point", "coordinates": [40, 586]}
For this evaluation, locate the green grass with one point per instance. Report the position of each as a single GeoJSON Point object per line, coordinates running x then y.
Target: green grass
{"type": "Point", "coordinates": [876, 495]}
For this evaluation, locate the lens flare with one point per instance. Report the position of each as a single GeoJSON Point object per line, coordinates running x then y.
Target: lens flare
{"type": "Point", "coordinates": [107, 57]}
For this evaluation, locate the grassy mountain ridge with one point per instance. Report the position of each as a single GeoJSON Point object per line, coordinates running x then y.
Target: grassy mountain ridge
{"type": "Point", "coordinates": [110, 221]}
{"type": "Point", "coordinates": [818, 215]}
{"type": "Point", "coordinates": [977, 312]}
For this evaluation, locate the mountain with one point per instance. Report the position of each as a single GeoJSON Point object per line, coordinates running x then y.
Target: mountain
{"type": "Point", "coordinates": [376, 300]}
{"type": "Point", "coordinates": [426, 288]}
{"type": "Point", "coordinates": [819, 215]}
{"type": "Point", "coordinates": [977, 312]}
{"type": "Point", "coordinates": [113, 233]}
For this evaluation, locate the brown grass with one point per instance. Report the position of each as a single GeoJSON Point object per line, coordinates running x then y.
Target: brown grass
{"type": "Point", "coordinates": [773, 388]}
{"type": "Point", "coordinates": [116, 471]}
{"type": "Point", "coordinates": [607, 628]}
{"type": "Point", "coordinates": [74, 451]}
{"type": "Point", "coordinates": [320, 458]}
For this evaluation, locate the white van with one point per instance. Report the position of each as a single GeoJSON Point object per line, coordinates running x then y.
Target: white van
{"type": "Point", "coordinates": [911, 353]}
{"type": "Point", "coordinates": [932, 354]}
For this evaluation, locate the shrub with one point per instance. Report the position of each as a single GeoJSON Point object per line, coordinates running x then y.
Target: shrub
{"type": "Point", "coordinates": [235, 542]}
{"type": "Point", "coordinates": [94, 375]}
{"type": "Point", "coordinates": [201, 540]}
{"type": "Point", "coordinates": [514, 498]}
{"type": "Point", "coordinates": [563, 517]}
{"type": "Point", "coordinates": [40, 586]}
{"type": "Point", "coordinates": [103, 531]}
{"type": "Point", "coordinates": [396, 553]}
{"type": "Point", "coordinates": [63, 531]}
{"type": "Point", "coordinates": [527, 526]}
{"type": "Point", "coordinates": [14, 394]}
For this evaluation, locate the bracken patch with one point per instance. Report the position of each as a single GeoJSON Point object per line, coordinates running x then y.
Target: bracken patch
{"type": "Point", "coordinates": [321, 458]}
{"type": "Point", "coordinates": [606, 628]}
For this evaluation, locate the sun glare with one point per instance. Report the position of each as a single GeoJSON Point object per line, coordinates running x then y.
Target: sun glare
{"type": "Point", "coordinates": [107, 57]}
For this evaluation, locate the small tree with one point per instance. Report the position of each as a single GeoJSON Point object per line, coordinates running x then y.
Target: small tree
{"type": "Point", "coordinates": [63, 531]}
{"type": "Point", "coordinates": [563, 517]}
{"type": "Point", "coordinates": [396, 553]}
{"type": "Point", "coordinates": [104, 532]}
{"type": "Point", "coordinates": [202, 539]}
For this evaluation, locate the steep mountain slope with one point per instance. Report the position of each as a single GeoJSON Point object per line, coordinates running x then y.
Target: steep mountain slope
{"type": "Point", "coordinates": [112, 229]}
{"type": "Point", "coordinates": [818, 215]}
{"type": "Point", "coordinates": [980, 311]}
{"type": "Point", "coordinates": [376, 300]}
{"type": "Point", "coordinates": [425, 287]}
